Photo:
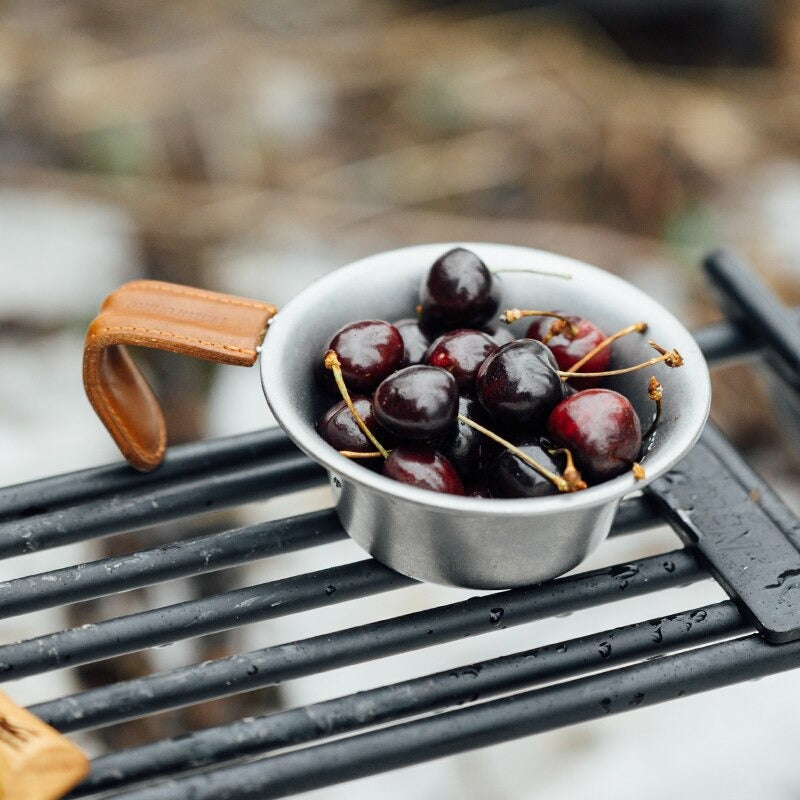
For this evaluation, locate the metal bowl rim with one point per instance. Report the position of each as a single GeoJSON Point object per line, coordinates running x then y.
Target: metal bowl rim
{"type": "Point", "coordinates": [303, 434]}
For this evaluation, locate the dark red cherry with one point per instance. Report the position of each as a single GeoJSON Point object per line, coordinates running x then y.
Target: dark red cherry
{"type": "Point", "coordinates": [418, 402]}
{"type": "Point", "coordinates": [368, 350]}
{"type": "Point", "coordinates": [518, 384]}
{"type": "Point", "coordinates": [338, 428]}
{"type": "Point", "coordinates": [415, 341]}
{"type": "Point", "coordinates": [458, 292]}
{"type": "Point", "coordinates": [509, 476]}
{"type": "Point", "coordinates": [601, 429]}
{"type": "Point", "coordinates": [465, 447]}
{"type": "Point", "coordinates": [569, 348]}
{"type": "Point", "coordinates": [420, 465]}
{"type": "Point", "coordinates": [461, 352]}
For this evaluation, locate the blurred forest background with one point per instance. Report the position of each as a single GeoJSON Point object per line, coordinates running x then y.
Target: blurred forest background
{"type": "Point", "coordinates": [252, 146]}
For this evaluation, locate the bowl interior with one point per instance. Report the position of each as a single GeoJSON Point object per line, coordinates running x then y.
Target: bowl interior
{"type": "Point", "coordinates": [386, 286]}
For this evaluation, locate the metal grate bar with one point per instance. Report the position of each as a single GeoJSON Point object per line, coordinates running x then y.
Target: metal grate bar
{"type": "Point", "coordinates": [760, 491]}
{"type": "Point", "coordinates": [635, 514]}
{"type": "Point", "coordinates": [465, 684]}
{"type": "Point", "coordinates": [247, 671]}
{"type": "Point", "coordinates": [174, 560]}
{"type": "Point", "coordinates": [754, 308]}
{"type": "Point", "coordinates": [722, 342]}
{"type": "Point", "coordinates": [212, 552]}
{"type": "Point", "coordinates": [750, 555]}
{"type": "Point", "coordinates": [578, 680]}
{"type": "Point", "coordinates": [180, 461]}
{"type": "Point", "coordinates": [579, 700]}
{"type": "Point", "coordinates": [42, 514]}
{"type": "Point", "coordinates": [726, 341]}
{"type": "Point", "coordinates": [158, 503]}
{"type": "Point", "coordinates": [219, 612]}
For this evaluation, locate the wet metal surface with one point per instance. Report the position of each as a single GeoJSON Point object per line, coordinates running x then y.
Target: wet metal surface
{"type": "Point", "coordinates": [748, 550]}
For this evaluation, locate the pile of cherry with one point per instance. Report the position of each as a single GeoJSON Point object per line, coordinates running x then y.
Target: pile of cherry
{"type": "Point", "coordinates": [446, 402]}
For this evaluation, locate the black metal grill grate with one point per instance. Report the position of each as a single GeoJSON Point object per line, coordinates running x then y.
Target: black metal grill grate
{"type": "Point", "coordinates": [729, 518]}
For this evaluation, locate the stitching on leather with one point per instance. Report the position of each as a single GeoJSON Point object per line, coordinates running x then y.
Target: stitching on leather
{"type": "Point", "coordinates": [171, 335]}
{"type": "Point", "coordinates": [202, 295]}
{"type": "Point", "coordinates": [108, 404]}
{"type": "Point", "coordinates": [133, 441]}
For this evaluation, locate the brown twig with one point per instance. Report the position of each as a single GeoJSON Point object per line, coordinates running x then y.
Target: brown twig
{"type": "Point", "coordinates": [656, 393]}
{"type": "Point", "coordinates": [637, 327]}
{"type": "Point", "coordinates": [671, 358]}
{"type": "Point", "coordinates": [334, 365]}
{"type": "Point", "coordinates": [513, 314]}
{"type": "Point", "coordinates": [561, 484]}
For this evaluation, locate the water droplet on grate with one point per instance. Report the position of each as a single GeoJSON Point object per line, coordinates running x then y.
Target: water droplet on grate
{"type": "Point", "coordinates": [657, 636]}
{"type": "Point", "coordinates": [495, 615]}
{"type": "Point", "coordinates": [605, 649]}
{"type": "Point", "coordinates": [782, 578]}
{"type": "Point", "coordinates": [624, 572]}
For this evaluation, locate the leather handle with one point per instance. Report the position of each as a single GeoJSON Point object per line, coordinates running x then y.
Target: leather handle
{"type": "Point", "coordinates": [164, 316]}
{"type": "Point", "coordinates": [36, 761]}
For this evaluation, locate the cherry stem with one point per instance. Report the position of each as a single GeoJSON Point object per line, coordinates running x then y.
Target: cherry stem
{"type": "Point", "coordinates": [356, 454]}
{"type": "Point", "coordinates": [638, 471]}
{"type": "Point", "coordinates": [671, 358]}
{"type": "Point", "coordinates": [571, 474]}
{"type": "Point", "coordinates": [561, 484]}
{"type": "Point", "coordinates": [334, 365]}
{"type": "Point", "coordinates": [656, 392]}
{"type": "Point", "coordinates": [562, 275]}
{"type": "Point", "coordinates": [513, 314]}
{"type": "Point", "coordinates": [637, 327]}
{"type": "Point", "coordinates": [556, 328]}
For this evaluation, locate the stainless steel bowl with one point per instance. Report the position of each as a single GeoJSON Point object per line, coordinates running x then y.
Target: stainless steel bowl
{"type": "Point", "coordinates": [463, 541]}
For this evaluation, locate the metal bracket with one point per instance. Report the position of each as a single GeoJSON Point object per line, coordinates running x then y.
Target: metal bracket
{"type": "Point", "coordinates": [749, 538]}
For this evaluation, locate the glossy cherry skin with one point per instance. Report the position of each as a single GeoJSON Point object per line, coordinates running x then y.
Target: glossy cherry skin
{"type": "Point", "coordinates": [464, 447]}
{"type": "Point", "coordinates": [338, 428]}
{"type": "Point", "coordinates": [420, 465]}
{"type": "Point", "coordinates": [368, 351]}
{"type": "Point", "coordinates": [458, 291]}
{"type": "Point", "coordinates": [418, 402]}
{"type": "Point", "coordinates": [570, 348]}
{"type": "Point", "coordinates": [461, 352]}
{"type": "Point", "coordinates": [518, 384]}
{"type": "Point", "coordinates": [510, 476]}
{"type": "Point", "coordinates": [415, 341]}
{"type": "Point", "coordinates": [601, 429]}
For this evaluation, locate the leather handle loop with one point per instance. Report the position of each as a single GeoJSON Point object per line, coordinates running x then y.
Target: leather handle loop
{"type": "Point", "coordinates": [36, 761]}
{"type": "Point", "coordinates": [164, 316]}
